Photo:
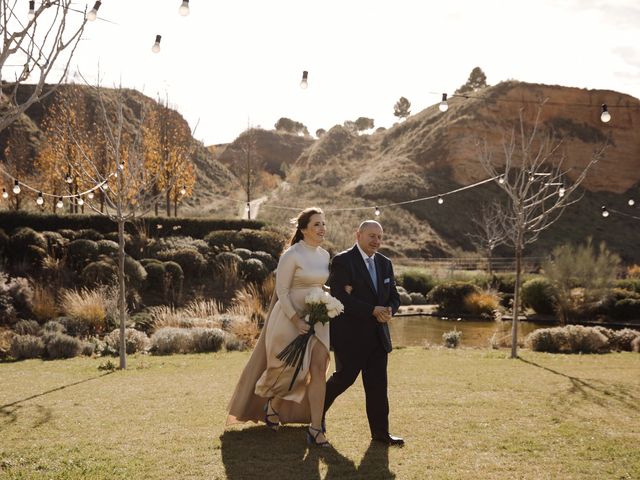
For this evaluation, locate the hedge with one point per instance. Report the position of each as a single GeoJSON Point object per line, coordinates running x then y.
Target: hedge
{"type": "Point", "coordinates": [188, 226]}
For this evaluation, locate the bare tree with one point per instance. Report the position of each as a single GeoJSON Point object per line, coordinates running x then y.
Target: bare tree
{"type": "Point", "coordinates": [128, 187]}
{"type": "Point", "coordinates": [32, 44]}
{"type": "Point", "coordinates": [537, 186]}
{"type": "Point", "coordinates": [489, 232]}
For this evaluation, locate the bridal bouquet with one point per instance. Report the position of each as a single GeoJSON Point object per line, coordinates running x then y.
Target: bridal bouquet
{"type": "Point", "coordinates": [319, 307]}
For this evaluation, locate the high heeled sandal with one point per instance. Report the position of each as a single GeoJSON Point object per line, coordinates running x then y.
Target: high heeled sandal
{"type": "Point", "coordinates": [272, 425]}
{"type": "Point", "coordinates": [312, 439]}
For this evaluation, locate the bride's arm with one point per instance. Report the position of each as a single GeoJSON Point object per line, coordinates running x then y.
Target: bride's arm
{"type": "Point", "coordinates": [284, 276]}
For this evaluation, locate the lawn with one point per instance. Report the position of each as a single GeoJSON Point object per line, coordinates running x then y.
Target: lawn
{"type": "Point", "coordinates": [464, 414]}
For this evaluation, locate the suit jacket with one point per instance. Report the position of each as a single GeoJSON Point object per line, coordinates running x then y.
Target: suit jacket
{"type": "Point", "coordinates": [357, 329]}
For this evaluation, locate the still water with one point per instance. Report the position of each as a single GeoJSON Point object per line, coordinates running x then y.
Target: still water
{"type": "Point", "coordinates": [417, 331]}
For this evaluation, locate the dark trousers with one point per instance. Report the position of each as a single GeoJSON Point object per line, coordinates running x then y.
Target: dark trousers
{"type": "Point", "coordinates": [373, 365]}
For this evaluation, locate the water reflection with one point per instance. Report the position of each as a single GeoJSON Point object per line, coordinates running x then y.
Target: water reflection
{"type": "Point", "coordinates": [416, 331]}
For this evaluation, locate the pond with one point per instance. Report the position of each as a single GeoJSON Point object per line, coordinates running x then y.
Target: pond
{"type": "Point", "coordinates": [418, 330]}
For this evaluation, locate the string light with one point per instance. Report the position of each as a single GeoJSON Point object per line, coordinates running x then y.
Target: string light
{"type": "Point", "coordinates": [561, 192]}
{"type": "Point", "coordinates": [59, 203]}
{"type": "Point", "coordinates": [183, 190]}
{"type": "Point", "coordinates": [605, 212]}
{"type": "Point", "coordinates": [93, 13]}
{"type": "Point", "coordinates": [156, 45]}
{"type": "Point", "coordinates": [501, 179]}
{"type": "Point", "coordinates": [184, 8]}
{"type": "Point", "coordinates": [5, 194]}
{"type": "Point", "coordinates": [80, 201]}
{"type": "Point", "coordinates": [444, 106]}
{"type": "Point", "coordinates": [440, 200]}
{"type": "Point", "coordinates": [247, 208]}
{"type": "Point", "coordinates": [40, 199]}
{"type": "Point", "coordinates": [90, 195]}
{"type": "Point", "coordinates": [377, 212]}
{"type": "Point", "coordinates": [304, 83]}
{"type": "Point", "coordinates": [16, 187]}
{"type": "Point", "coordinates": [631, 202]}
{"type": "Point", "coordinates": [68, 178]}
{"type": "Point", "coordinates": [32, 10]}
{"type": "Point", "coordinates": [605, 116]}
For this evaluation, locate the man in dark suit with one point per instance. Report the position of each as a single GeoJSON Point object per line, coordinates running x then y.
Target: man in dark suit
{"type": "Point", "coordinates": [363, 281]}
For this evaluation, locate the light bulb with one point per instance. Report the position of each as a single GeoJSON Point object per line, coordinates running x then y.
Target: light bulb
{"type": "Point", "coordinates": [68, 178]}
{"type": "Point", "coordinates": [440, 200]}
{"type": "Point", "coordinates": [183, 190]}
{"type": "Point", "coordinates": [561, 191]}
{"type": "Point", "coordinates": [184, 8]}
{"type": "Point", "coordinates": [80, 201]}
{"type": "Point", "coordinates": [5, 195]}
{"type": "Point", "coordinates": [501, 179]}
{"type": "Point", "coordinates": [40, 200]}
{"type": "Point", "coordinates": [631, 202]}
{"type": "Point", "coordinates": [605, 212]}
{"type": "Point", "coordinates": [90, 195]}
{"type": "Point", "coordinates": [444, 106]}
{"type": "Point", "coordinates": [16, 187]}
{"type": "Point", "coordinates": [605, 116]}
{"type": "Point", "coordinates": [304, 82]}
{"type": "Point", "coordinates": [32, 10]}
{"type": "Point", "coordinates": [377, 212]}
{"type": "Point", "coordinates": [247, 207]}
{"type": "Point", "coordinates": [105, 186]}
{"type": "Point", "coordinates": [93, 13]}
{"type": "Point", "coordinates": [156, 46]}
{"type": "Point", "coordinates": [59, 203]}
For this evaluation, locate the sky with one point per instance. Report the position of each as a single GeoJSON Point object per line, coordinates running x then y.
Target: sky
{"type": "Point", "coordinates": [233, 64]}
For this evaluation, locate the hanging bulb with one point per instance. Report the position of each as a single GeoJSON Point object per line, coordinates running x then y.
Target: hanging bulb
{"type": "Point", "coordinates": [93, 13]}
{"type": "Point", "coordinates": [376, 212]}
{"type": "Point", "coordinates": [39, 200]}
{"type": "Point", "coordinates": [440, 200]}
{"type": "Point", "coordinates": [156, 46]}
{"type": "Point", "coordinates": [631, 202]}
{"type": "Point", "coordinates": [501, 179]}
{"type": "Point", "coordinates": [605, 116]}
{"type": "Point", "coordinates": [304, 82]}
{"type": "Point", "coordinates": [59, 203]}
{"type": "Point", "coordinates": [32, 10]}
{"type": "Point", "coordinates": [121, 166]}
{"type": "Point", "coordinates": [184, 8]}
{"type": "Point", "coordinates": [80, 201]}
{"type": "Point", "coordinates": [68, 178]}
{"type": "Point", "coordinates": [16, 187]}
{"type": "Point", "coordinates": [561, 191]}
{"type": "Point", "coordinates": [5, 194]}
{"type": "Point", "coordinates": [444, 106]}
{"type": "Point", "coordinates": [183, 190]}
{"type": "Point", "coordinates": [605, 212]}
{"type": "Point", "coordinates": [90, 195]}
{"type": "Point", "coordinates": [247, 207]}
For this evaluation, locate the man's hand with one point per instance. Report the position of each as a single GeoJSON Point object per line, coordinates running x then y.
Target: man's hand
{"type": "Point", "coordinates": [382, 314]}
{"type": "Point", "coordinates": [302, 326]}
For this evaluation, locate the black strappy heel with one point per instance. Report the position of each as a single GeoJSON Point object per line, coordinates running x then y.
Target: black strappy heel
{"type": "Point", "coordinates": [312, 439]}
{"type": "Point", "coordinates": [272, 425]}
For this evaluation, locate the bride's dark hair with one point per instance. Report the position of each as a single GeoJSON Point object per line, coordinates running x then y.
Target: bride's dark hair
{"type": "Point", "coordinates": [302, 221]}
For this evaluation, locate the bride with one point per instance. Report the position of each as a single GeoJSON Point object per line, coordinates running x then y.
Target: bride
{"type": "Point", "coordinates": [263, 393]}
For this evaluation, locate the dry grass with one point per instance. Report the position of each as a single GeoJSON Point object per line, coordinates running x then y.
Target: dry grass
{"type": "Point", "coordinates": [164, 316]}
{"type": "Point", "coordinates": [472, 414]}
{"type": "Point", "coordinates": [482, 303]}
{"type": "Point", "coordinates": [89, 306]}
{"type": "Point", "coordinates": [44, 304]}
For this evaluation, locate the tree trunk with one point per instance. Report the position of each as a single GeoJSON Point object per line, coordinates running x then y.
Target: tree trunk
{"type": "Point", "coordinates": [121, 292]}
{"type": "Point", "coordinates": [175, 207]}
{"type": "Point", "coordinates": [168, 203]}
{"type": "Point", "coordinates": [516, 299]}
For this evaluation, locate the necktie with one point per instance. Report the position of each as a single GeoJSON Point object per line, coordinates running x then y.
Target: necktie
{"type": "Point", "coordinates": [372, 273]}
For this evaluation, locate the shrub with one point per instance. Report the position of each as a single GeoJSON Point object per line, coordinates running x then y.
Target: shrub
{"type": "Point", "coordinates": [451, 339]}
{"type": "Point", "coordinates": [6, 336]}
{"type": "Point", "coordinates": [27, 327]}
{"type": "Point", "coordinates": [20, 292]}
{"type": "Point", "coordinates": [417, 281]}
{"type": "Point", "coordinates": [266, 259]}
{"type": "Point", "coordinates": [505, 283]}
{"type": "Point", "coordinates": [626, 309]}
{"type": "Point", "coordinates": [156, 279]}
{"type": "Point", "coordinates": [135, 341]}
{"type": "Point", "coordinates": [88, 349]}
{"type": "Point", "coordinates": [56, 244]}
{"type": "Point", "coordinates": [242, 253]}
{"type": "Point", "coordinates": [224, 259]}
{"type": "Point", "coordinates": [101, 272]}
{"type": "Point", "coordinates": [192, 262]}
{"type": "Point", "coordinates": [175, 277]}
{"type": "Point", "coordinates": [60, 345]}
{"type": "Point", "coordinates": [634, 271]}
{"type": "Point", "coordinates": [623, 339]}
{"type": "Point", "coordinates": [568, 339]}
{"type": "Point", "coordinates": [21, 239]}
{"type": "Point", "coordinates": [89, 234]}
{"type": "Point", "coordinates": [26, 346]}
{"type": "Point", "coordinates": [635, 345]}
{"type": "Point", "coordinates": [253, 240]}
{"type": "Point", "coordinates": [450, 296]}
{"type": "Point", "coordinates": [630, 284]}
{"type": "Point", "coordinates": [481, 303]}
{"type": "Point", "coordinates": [88, 306]}
{"type": "Point", "coordinates": [135, 273]}
{"type": "Point", "coordinates": [405, 298]}
{"type": "Point", "coordinates": [234, 344]}
{"type": "Point", "coordinates": [207, 339]}
{"type": "Point", "coordinates": [253, 270]}
{"type": "Point", "coordinates": [537, 293]}
{"type": "Point", "coordinates": [74, 326]}
{"type": "Point", "coordinates": [81, 252]}
{"type": "Point", "coordinates": [67, 233]}
{"type": "Point", "coordinates": [108, 248]}
{"type": "Point", "coordinates": [166, 341]}
{"type": "Point", "coordinates": [418, 298]}
{"type": "Point", "coordinates": [44, 304]}
{"type": "Point", "coordinates": [53, 326]}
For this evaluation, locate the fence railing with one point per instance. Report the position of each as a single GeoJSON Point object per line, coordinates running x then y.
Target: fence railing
{"type": "Point", "coordinates": [499, 264]}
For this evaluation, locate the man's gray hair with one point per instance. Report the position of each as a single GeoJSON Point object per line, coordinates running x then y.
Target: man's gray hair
{"type": "Point", "coordinates": [368, 223]}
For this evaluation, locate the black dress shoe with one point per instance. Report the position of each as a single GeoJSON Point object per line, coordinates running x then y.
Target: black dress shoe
{"type": "Point", "coordinates": [389, 439]}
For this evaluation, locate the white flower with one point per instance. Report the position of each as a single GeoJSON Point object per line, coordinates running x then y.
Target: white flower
{"type": "Point", "coordinates": [315, 296]}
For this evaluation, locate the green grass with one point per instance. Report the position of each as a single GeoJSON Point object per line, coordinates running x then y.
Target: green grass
{"type": "Point", "coordinates": [464, 413]}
